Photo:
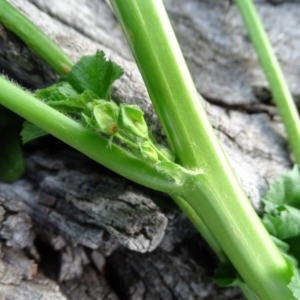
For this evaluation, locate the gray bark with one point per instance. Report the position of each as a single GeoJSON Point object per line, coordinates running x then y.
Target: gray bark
{"type": "Point", "coordinates": [71, 229]}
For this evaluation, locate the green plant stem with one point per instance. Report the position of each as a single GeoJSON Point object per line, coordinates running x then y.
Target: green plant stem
{"type": "Point", "coordinates": [219, 200]}
{"type": "Point", "coordinates": [278, 86]}
{"type": "Point", "coordinates": [15, 21]}
{"type": "Point", "coordinates": [206, 234]}
{"type": "Point", "coordinates": [200, 226]}
{"type": "Point", "coordinates": [243, 240]}
{"type": "Point", "coordinates": [82, 139]}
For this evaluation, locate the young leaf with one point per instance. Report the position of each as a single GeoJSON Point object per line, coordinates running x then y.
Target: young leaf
{"type": "Point", "coordinates": [285, 190]}
{"type": "Point", "coordinates": [131, 121]}
{"type": "Point", "coordinates": [283, 222]}
{"type": "Point", "coordinates": [56, 92]}
{"type": "Point", "coordinates": [282, 203]}
{"type": "Point", "coordinates": [94, 73]}
{"type": "Point", "coordinates": [74, 103]}
{"type": "Point", "coordinates": [106, 115]}
{"type": "Point", "coordinates": [282, 214]}
{"type": "Point", "coordinates": [30, 132]}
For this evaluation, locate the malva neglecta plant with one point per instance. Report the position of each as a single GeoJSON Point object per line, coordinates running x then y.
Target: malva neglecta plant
{"type": "Point", "coordinates": [194, 171]}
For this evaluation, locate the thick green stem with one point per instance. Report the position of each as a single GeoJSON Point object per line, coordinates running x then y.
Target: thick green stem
{"type": "Point", "coordinates": [34, 38]}
{"type": "Point", "coordinates": [219, 201]}
{"type": "Point", "coordinates": [244, 239]}
{"type": "Point", "coordinates": [206, 234]}
{"type": "Point", "coordinates": [82, 139]}
{"type": "Point", "coordinates": [279, 89]}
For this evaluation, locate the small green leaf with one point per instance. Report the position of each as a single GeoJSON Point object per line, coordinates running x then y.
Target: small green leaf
{"type": "Point", "coordinates": [282, 203]}
{"type": "Point", "coordinates": [282, 214]}
{"type": "Point", "coordinates": [285, 190]}
{"type": "Point", "coordinates": [56, 92]}
{"type": "Point", "coordinates": [283, 222]}
{"type": "Point", "coordinates": [30, 132]}
{"type": "Point", "coordinates": [294, 285]}
{"type": "Point", "coordinates": [106, 115]}
{"type": "Point", "coordinates": [11, 156]}
{"type": "Point", "coordinates": [74, 104]}
{"type": "Point", "coordinates": [131, 121]}
{"type": "Point", "coordinates": [94, 73]}
{"type": "Point", "coordinates": [148, 151]}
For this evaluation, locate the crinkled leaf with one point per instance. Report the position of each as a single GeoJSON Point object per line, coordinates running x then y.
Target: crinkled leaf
{"type": "Point", "coordinates": [285, 190]}
{"type": "Point", "coordinates": [294, 285]}
{"type": "Point", "coordinates": [94, 73]}
{"type": "Point", "coordinates": [283, 222]}
{"type": "Point", "coordinates": [282, 203]}
{"type": "Point", "coordinates": [131, 121]}
{"type": "Point", "coordinates": [11, 156]}
{"type": "Point", "coordinates": [66, 109]}
{"type": "Point", "coordinates": [282, 214]}
{"type": "Point", "coordinates": [74, 104]}
{"type": "Point", "coordinates": [57, 92]}
{"type": "Point", "coordinates": [148, 152]}
{"type": "Point", "coordinates": [30, 132]}
{"type": "Point", "coordinates": [106, 115]}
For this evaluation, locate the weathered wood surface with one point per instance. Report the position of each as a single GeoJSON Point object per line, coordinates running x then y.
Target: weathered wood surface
{"type": "Point", "coordinates": [71, 229]}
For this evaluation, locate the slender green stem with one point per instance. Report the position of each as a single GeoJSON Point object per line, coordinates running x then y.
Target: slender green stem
{"type": "Point", "coordinates": [82, 139]}
{"type": "Point", "coordinates": [200, 226]}
{"type": "Point", "coordinates": [34, 38]}
{"type": "Point", "coordinates": [278, 86]}
{"type": "Point", "coordinates": [219, 200]}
